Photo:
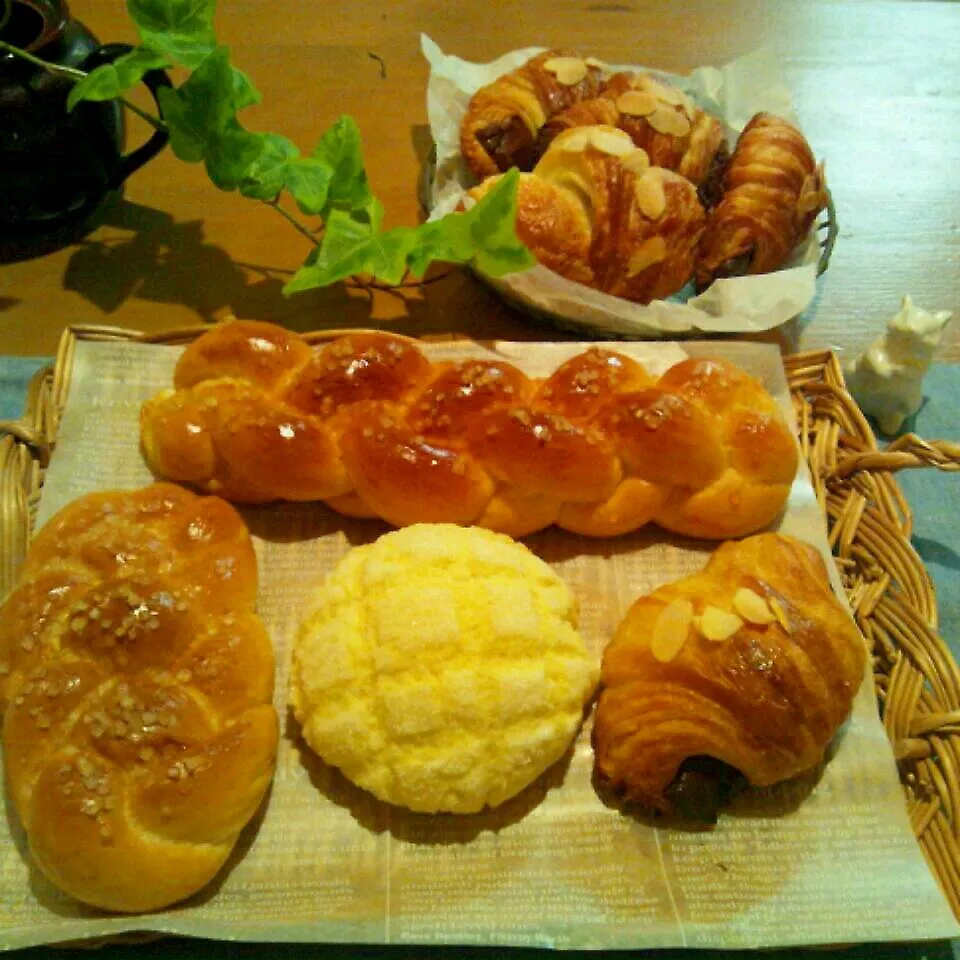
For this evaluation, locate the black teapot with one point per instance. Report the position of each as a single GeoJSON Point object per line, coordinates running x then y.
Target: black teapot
{"type": "Point", "coordinates": [58, 168]}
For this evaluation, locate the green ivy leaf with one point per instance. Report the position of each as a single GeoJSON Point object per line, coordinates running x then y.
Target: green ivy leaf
{"type": "Point", "coordinates": [189, 52]}
{"type": "Point", "coordinates": [180, 29]}
{"type": "Point", "coordinates": [112, 80]}
{"type": "Point", "coordinates": [201, 116]}
{"type": "Point", "coordinates": [308, 181]}
{"type": "Point", "coordinates": [231, 155]}
{"type": "Point", "coordinates": [245, 94]}
{"type": "Point", "coordinates": [208, 94]}
{"type": "Point", "coordinates": [485, 235]}
{"type": "Point", "coordinates": [349, 247]}
{"type": "Point", "coordinates": [493, 228]}
{"type": "Point", "coordinates": [189, 17]}
{"type": "Point", "coordinates": [341, 149]}
{"type": "Point", "coordinates": [267, 174]}
{"type": "Point", "coordinates": [278, 166]}
{"type": "Point", "coordinates": [186, 140]}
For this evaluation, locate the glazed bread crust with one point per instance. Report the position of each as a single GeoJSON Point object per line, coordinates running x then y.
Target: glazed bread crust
{"type": "Point", "coordinates": [139, 736]}
{"type": "Point", "coordinates": [595, 211]}
{"type": "Point", "coordinates": [372, 427]}
{"type": "Point", "coordinates": [504, 118]}
{"type": "Point", "coordinates": [659, 118]}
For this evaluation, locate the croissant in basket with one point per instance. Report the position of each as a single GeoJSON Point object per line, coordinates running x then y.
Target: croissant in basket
{"type": "Point", "coordinates": [504, 118]}
{"type": "Point", "coordinates": [741, 673]}
{"type": "Point", "coordinates": [371, 426]}
{"type": "Point", "coordinates": [754, 208]}
{"type": "Point", "coordinates": [659, 118]}
{"type": "Point", "coordinates": [773, 190]}
{"type": "Point", "coordinates": [139, 736]}
{"type": "Point", "coordinates": [595, 211]}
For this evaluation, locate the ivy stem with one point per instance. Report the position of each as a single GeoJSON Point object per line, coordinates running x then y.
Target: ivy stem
{"type": "Point", "coordinates": [293, 221]}
{"type": "Point", "coordinates": [71, 73]}
{"type": "Point", "coordinates": [394, 289]}
{"type": "Point", "coordinates": [7, 13]}
{"type": "Point", "coordinates": [60, 70]}
{"type": "Point", "coordinates": [154, 122]}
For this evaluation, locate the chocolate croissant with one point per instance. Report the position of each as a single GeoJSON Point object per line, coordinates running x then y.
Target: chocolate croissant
{"type": "Point", "coordinates": [773, 190]}
{"type": "Point", "coordinates": [503, 119]}
{"type": "Point", "coordinates": [660, 119]}
{"type": "Point", "coordinates": [743, 672]}
{"type": "Point", "coordinates": [595, 211]}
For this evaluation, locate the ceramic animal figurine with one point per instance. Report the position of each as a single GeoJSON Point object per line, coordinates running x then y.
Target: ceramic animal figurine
{"type": "Point", "coordinates": [887, 378]}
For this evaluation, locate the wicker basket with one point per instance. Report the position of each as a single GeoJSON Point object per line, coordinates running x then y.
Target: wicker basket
{"type": "Point", "coordinates": [868, 522]}
{"type": "Point", "coordinates": [826, 227]}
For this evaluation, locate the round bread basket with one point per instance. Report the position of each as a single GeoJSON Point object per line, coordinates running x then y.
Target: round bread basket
{"type": "Point", "coordinates": [826, 229]}
{"type": "Point", "coordinates": [868, 521]}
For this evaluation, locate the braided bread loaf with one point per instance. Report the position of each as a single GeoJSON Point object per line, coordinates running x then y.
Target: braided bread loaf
{"type": "Point", "coordinates": [136, 680]}
{"type": "Point", "coordinates": [371, 426]}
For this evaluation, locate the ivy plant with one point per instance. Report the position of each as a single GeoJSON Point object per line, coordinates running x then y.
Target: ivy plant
{"type": "Point", "coordinates": [328, 185]}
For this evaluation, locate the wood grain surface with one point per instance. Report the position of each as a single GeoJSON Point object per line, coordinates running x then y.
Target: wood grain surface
{"type": "Point", "coordinates": [877, 90]}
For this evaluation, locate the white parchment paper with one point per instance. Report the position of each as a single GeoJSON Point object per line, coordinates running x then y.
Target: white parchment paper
{"type": "Point", "coordinates": [734, 93]}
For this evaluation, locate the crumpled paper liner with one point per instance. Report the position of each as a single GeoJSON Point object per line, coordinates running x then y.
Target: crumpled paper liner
{"type": "Point", "coordinates": [734, 93]}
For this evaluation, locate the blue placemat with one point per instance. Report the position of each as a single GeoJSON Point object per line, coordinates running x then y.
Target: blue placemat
{"type": "Point", "coordinates": [15, 374]}
{"type": "Point", "coordinates": [935, 499]}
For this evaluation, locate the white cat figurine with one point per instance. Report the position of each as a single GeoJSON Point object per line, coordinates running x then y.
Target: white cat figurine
{"type": "Point", "coordinates": [887, 378]}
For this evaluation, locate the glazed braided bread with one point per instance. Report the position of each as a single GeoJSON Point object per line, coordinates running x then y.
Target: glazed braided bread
{"type": "Point", "coordinates": [138, 733]}
{"type": "Point", "coordinates": [371, 426]}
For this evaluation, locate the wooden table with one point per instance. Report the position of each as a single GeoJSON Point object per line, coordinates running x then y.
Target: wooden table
{"type": "Point", "coordinates": [876, 87]}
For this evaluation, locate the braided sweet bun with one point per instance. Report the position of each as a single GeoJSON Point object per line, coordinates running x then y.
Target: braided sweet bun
{"type": "Point", "coordinates": [371, 426]}
{"type": "Point", "coordinates": [136, 680]}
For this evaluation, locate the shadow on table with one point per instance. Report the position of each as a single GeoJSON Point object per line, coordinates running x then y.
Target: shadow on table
{"type": "Point", "coordinates": [933, 551]}
{"type": "Point", "coordinates": [166, 261]}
